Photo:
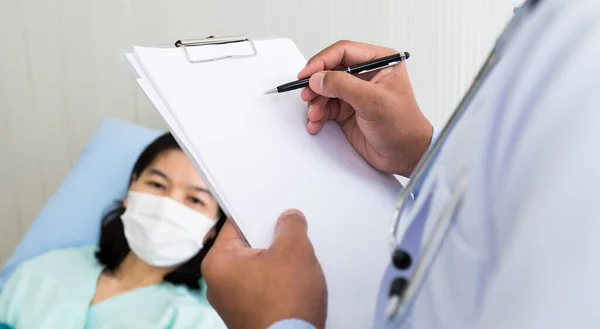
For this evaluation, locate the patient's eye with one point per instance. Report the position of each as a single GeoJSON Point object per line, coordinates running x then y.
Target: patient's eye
{"type": "Point", "coordinates": [156, 185]}
{"type": "Point", "coordinates": [196, 201]}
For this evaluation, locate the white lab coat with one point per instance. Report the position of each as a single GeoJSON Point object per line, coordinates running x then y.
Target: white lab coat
{"type": "Point", "coordinates": [524, 250]}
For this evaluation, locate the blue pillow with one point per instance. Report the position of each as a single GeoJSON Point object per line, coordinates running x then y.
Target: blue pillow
{"type": "Point", "coordinates": [99, 178]}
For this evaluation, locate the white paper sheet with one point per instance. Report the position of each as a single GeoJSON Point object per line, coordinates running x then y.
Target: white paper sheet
{"type": "Point", "coordinates": [258, 158]}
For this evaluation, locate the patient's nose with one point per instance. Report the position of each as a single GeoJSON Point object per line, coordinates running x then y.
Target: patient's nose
{"type": "Point", "coordinates": [177, 194]}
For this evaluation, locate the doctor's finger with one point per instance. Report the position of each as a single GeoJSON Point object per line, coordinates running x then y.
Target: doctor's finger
{"type": "Point", "coordinates": [291, 242]}
{"type": "Point", "coordinates": [308, 95]}
{"type": "Point", "coordinates": [317, 109]}
{"type": "Point", "coordinates": [343, 53]}
{"type": "Point", "coordinates": [291, 229]}
{"type": "Point", "coordinates": [318, 112]}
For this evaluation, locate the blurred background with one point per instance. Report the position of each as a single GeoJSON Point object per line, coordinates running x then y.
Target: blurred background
{"type": "Point", "coordinates": [60, 70]}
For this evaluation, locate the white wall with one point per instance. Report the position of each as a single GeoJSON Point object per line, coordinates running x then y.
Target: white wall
{"type": "Point", "coordinates": [60, 73]}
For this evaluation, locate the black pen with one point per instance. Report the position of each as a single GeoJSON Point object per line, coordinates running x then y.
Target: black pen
{"type": "Point", "coordinates": [376, 64]}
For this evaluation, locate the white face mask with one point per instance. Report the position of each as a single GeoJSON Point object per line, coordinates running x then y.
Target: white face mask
{"type": "Point", "coordinates": [163, 232]}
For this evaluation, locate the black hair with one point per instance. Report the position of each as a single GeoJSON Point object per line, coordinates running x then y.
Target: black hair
{"type": "Point", "coordinates": [113, 246]}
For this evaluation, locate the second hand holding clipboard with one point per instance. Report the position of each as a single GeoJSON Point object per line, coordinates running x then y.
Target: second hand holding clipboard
{"type": "Point", "coordinates": [358, 69]}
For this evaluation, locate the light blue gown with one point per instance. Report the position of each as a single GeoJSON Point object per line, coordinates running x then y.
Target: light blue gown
{"type": "Point", "coordinates": [54, 291]}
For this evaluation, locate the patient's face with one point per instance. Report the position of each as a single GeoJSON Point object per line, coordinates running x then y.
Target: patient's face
{"type": "Point", "coordinates": [172, 175]}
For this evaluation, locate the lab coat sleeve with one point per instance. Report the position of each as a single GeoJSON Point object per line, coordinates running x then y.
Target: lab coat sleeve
{"type": "Point", "coordinates": [291, 324]}
{"type": "Point", "coordinates": [545, 198]}
{"type": "Point", "coordinates": [434, 137]}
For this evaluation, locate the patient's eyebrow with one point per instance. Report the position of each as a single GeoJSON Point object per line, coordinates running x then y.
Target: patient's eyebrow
{"type": "Point", "coordinates": [200, 189]}
{"type": "Point", "coordinates": [157, 172]}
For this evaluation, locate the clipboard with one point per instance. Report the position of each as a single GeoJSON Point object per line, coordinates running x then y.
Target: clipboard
{"type": "Point", "coordinates": [257, 159]}
{"type": "Point", "coordinates": [172, 122]}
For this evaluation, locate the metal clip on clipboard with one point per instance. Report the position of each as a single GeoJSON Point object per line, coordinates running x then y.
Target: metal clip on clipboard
{"type": "Point", "coordinates": [184, 44]}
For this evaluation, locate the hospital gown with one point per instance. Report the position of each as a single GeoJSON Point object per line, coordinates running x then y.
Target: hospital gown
{"type": "Point", "coordinates": [55, 290]}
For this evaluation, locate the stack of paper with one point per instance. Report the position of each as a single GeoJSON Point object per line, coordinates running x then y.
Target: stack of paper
{"type": "Point", "coordinates": [255, 154]}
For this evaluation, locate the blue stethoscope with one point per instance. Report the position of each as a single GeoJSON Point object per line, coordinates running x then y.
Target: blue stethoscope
{"type": "Point", "coordinates": [403, 289]}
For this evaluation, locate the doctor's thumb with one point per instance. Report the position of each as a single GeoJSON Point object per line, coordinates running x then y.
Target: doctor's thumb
{"type": "Point", "coordinates": [291, 236]}
{"type": "Point", "coordinates": [291, 230]}
{"type": "Point", "coordinates": [345, 86]}
{"type": "Point", "coordinates": [291, 223]}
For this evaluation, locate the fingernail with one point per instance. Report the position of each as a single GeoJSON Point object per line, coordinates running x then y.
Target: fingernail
{"type": "Point", "coordinates": [319, 78]}
{"type": "Point", "coordinates": [310, 108]}
{"type": "Point", "coordinates": [284, 214]}
{"type": "Point", "coordinates": [292, 212]}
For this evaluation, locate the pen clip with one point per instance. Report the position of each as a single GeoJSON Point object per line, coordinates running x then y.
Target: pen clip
{"type": "Point", "coordinates": [379, 68]}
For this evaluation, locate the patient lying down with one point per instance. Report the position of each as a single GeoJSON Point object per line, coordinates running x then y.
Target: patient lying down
{"type": "Point", "coordinates": [145, 272]}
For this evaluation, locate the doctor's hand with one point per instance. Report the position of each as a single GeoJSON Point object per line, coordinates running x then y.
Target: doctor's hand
{"type": "Point", "coordinates": [252, 288]}
{"type": "Point", "coordinates": [377, 111]}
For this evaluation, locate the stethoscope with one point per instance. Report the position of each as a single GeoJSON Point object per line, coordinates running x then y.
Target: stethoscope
{"type": "Point", "coordinates": [403, 290]}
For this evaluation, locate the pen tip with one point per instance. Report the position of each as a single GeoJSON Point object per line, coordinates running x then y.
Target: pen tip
{"type": "Point", "coordinates": [407, 55]}
{"type": "Point", "coordinates": [270, 91]}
